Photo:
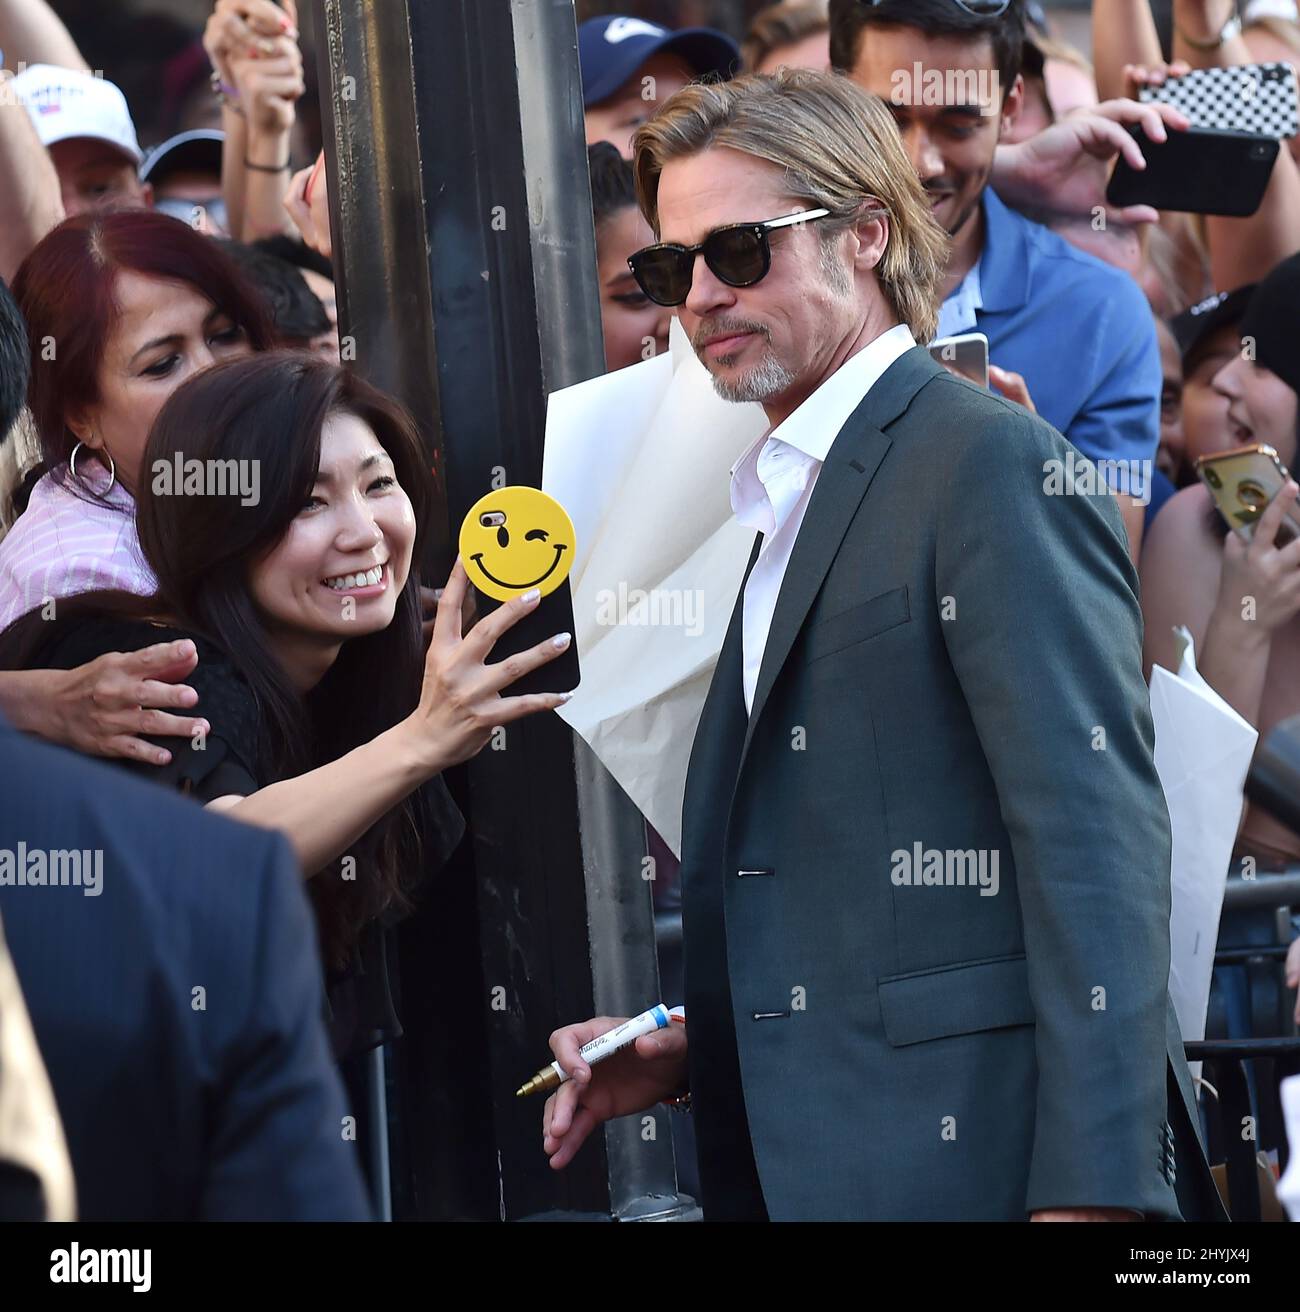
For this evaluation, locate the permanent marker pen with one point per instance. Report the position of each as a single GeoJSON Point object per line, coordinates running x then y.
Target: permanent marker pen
{"type": "Point", "coordinates": [606, 1045]}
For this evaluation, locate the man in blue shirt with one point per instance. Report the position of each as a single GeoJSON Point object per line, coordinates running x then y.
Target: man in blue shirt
{"type": "Point", "coordinates": [1069, 335]}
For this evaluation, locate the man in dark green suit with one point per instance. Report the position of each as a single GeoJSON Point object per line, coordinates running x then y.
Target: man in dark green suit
{"type": "Point", "coordinates": [925, 860]}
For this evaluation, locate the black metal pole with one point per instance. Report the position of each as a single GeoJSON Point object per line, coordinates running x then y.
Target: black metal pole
{"type": "Point", "coordinates": [466, 256]}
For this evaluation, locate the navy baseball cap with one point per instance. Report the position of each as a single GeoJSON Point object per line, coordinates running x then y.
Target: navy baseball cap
{"type": "Point", "coordinates": [1193, 327]}
{"type": "Point", "coordinates": [612, 48]}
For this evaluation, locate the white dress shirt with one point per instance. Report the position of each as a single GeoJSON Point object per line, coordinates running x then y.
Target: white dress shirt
{"type": "Point", "coordinates": [771, 484]}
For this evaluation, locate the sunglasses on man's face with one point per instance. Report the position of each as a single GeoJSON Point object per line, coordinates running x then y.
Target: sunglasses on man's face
{"type": "Point", "coordinates": [740, 255]}
{"type": "Point", "coordinates": [980, 8]}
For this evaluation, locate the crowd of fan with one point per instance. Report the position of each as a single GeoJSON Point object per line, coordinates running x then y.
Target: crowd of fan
{"type": "Point", "coordinates": [178, 305]}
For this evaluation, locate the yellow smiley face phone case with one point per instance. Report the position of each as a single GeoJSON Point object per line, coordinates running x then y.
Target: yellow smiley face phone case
{"type": "Point", "coordinates": [512, 540]}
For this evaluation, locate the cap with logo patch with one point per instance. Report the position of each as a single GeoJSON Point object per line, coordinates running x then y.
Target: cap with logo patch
{"type": "Point", "coordinates": [1194, 327]}
{"type": "Point", "coordinates": [612, 48]}
{"type": "Point", "coordinates": [65, 103]}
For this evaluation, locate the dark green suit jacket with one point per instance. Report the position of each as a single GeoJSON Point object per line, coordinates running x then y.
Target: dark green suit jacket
{"type": "Point", "coordinates": [952, 684]}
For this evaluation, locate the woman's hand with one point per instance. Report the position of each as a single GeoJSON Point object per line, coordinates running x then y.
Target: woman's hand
{"type": "Point", "coordinates": [1137, 76]}
{"type": "Point", "coordinates": [460, 703]}
{"type": "Point", "coordinates": [270, 84]}
{"type": "Point", "coordinates": [103, 707]}
{"type": "Point", "coordinates": [1260, 587]}
{"type": "Point", "coordinates": [237, 28]}
{"type": "Point", "coordinates": [308, 206]}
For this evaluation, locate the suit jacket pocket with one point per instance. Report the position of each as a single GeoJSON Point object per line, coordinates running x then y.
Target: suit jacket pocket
{"type": "Point", "coordinates": [857, 624]}
{"type": "Point", "coordinates": [960, 999]}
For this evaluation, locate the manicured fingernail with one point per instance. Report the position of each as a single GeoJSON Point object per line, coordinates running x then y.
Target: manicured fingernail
{"type": "Point", "coordinates": [530, 597]}
{"type": "Point", "coordinates": [566, 696]}
{"type": "Point", "coordinates": [437, 594]}
{"type": "Point", "coordinates": [561, 640]}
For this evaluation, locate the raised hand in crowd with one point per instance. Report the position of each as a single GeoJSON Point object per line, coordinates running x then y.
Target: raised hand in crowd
{"type": "Point", "coordinates": [253, 47]}
{"type": "Point", "coordinates": [308, 206]}
{"type": "Point", "coordinates": [1259, 593]}
{"type": "Point", "coordinates": [30, 200]}
{"type": "Point", "coordinates": [32, 33]}
{"type": "Point", "coordinates": [270, 83]}
{"type": "Point", "coordinates": [1137, 76]}
{"type": "Point", "coordinates": [1128, 54]}
{"type": "Point", "coordinates": [1066, 167]}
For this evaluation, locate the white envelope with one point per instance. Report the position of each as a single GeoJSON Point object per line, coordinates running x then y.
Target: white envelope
{"type": "Point", "coordinates": [1203, 751]}
{"type": "Point", "coordinates": [641, 460]}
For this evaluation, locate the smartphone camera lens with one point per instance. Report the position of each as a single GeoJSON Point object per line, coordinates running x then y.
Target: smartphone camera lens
{"type": "Point", "coordinates": [1259, 152]}
{"type": "Point", "coordinates": [1250, 494]}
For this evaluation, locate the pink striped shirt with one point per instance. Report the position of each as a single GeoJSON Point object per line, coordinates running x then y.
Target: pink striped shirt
{"type": "Point", "coordinates": [63, 544]}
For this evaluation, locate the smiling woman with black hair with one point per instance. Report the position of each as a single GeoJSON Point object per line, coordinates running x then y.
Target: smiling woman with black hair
{"type": "Point", "coordinates": [284, 552]}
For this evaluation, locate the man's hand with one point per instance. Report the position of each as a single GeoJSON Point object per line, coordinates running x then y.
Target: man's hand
{"type": "Point", "coordinates": [1085, 1214]}
{"type": "Point", "coordinates": [633, 1080]}
{"type": "Point", "coordinates": [101, 708]}
{"type": "Point", "coordinates": [1066, 167]}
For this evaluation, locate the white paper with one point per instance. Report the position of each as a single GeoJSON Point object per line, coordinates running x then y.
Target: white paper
{"type": "Point", "coordinates": [641, 460]}
{"type": "Point", "coordinates": [1288, 1187]}
{"type": "Point", "coordinates": [1203, 751]}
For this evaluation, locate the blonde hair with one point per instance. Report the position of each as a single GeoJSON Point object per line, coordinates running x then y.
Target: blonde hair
{"type": "Point", "coordinates": [839, 150]}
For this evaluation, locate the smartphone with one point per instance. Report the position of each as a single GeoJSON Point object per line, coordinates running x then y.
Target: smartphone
{"type": "Point", "coordinates": [1200, 171]}
{"type": "Point", "coordinates": [553, 614]}
{"type": "Point", "coordinates": [1258, 98]}
{"type": "Point", "coordinates": [1242, 482]}
{"type": "Point", "coordinates": [966, 355]}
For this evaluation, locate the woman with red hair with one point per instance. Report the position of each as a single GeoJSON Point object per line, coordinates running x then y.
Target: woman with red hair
{"type": "Point", "coordinates": [121, 309]}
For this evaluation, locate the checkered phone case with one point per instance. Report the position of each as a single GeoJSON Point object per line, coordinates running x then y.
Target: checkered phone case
{"type": "Point", "coordinates": [1257, 98]}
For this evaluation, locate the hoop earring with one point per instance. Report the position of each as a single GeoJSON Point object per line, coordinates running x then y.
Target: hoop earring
{"type": "Point", "coordinates": [112, 472]}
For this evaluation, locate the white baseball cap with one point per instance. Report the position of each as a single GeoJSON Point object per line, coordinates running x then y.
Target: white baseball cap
{"type": "Point", "coordinates": [65, 103]}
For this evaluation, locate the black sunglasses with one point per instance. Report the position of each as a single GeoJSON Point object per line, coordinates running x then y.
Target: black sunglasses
{"type": "Point", "coordinates": [740, 255]}
{"type": "Point", "coordinates": [980, 8]}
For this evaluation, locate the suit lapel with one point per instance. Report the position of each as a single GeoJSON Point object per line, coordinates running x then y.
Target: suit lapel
{"type": "Point", "coordinates": [842, 483]}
